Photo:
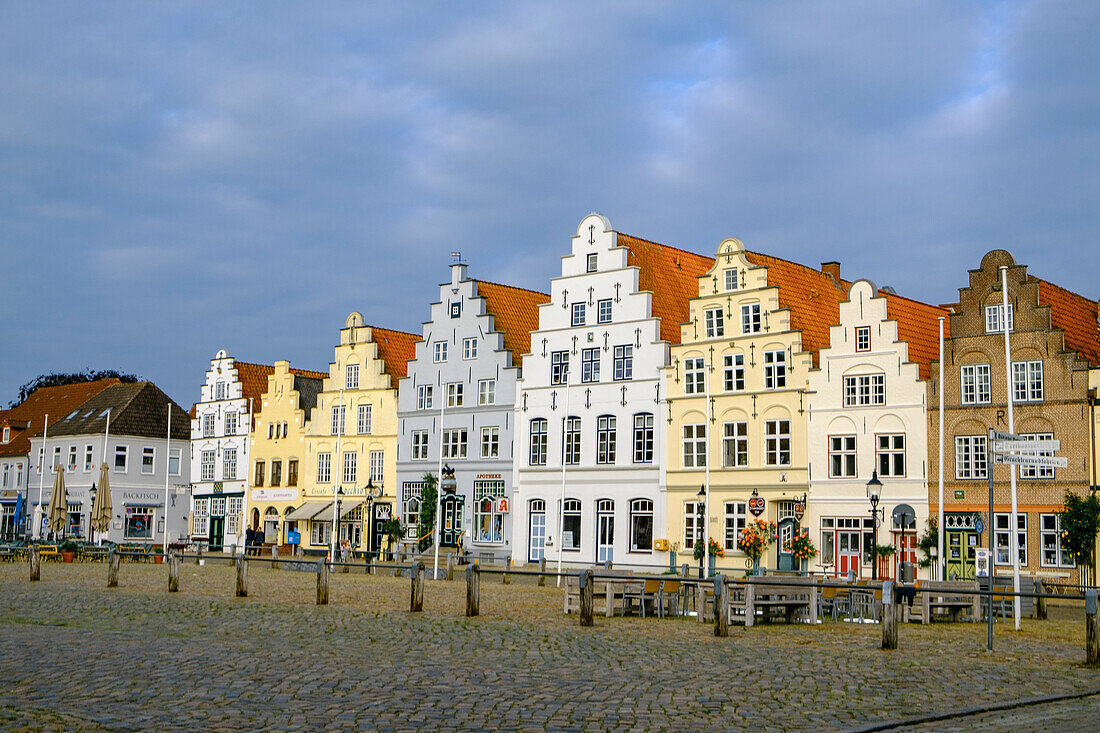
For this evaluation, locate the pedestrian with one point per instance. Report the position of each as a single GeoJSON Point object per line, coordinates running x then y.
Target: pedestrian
{"type": "Point", "coordinates": [249, 540]}
{"type": "Point", "coordinates": [259, 542]}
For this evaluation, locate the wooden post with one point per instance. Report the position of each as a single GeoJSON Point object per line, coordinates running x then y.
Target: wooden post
{"type": "Point", "coordinates": [507, 566]}
{"type": "Point", "coordinates": [242, 576]}
{"type": "Point", "coordinates": [322, 582]}
{"type": "Point", "coordinates": [1092, 630]}
{"type": "Point", "coordinates": [274, 557]}
{"type": "Point", "coordinates": [450, 566]}
{"type": "Point", "coordinates": [750, 603]}
{"type": "Point", "coordinates": [607, 564]}
{"type": "Point", "coordinates": [345, 557]}
{"type": "Point", "coordinates": [113, 559]}
{"type": "Point", "coordinates": [542, 569]}
{"type": "Point", "coordinates": [173, 572]}
{"type": "Point", "coordinates": [721, 606]}
{"type": "Point", "coordinates": [1040, 603]}
{"type": "Point", "coordinates": [473, 590]}
{"type": "Point", "coordinates": [198, 555]}
{"type": "Point", "coordinates": [35, 561]}
{"type": "Point", "coordinates": [416, 597]}
{"type": "Point", "coordinates": [700, 603]}
{"type": "Point", "coordinates": [889, 616]}
{"type": "Point", "coordinates": [586, 598]}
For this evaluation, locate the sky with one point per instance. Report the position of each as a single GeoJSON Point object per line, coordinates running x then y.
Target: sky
{"type": "Point", "coordinates": [177, 178]}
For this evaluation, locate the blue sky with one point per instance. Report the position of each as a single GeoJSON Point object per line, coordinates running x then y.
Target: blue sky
{"type": "Point", "coordinates": [177, 178]}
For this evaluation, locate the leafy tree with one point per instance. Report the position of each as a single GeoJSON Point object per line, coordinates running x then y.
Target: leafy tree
{"type": "Point", "coordinates": [1080, 521]}
{"type": "Point", "coordinates": [426, 524]}
{"type": "Point", "coordinates": [929, 540]}
{"type": "Point", "coordinates": [55, 379]}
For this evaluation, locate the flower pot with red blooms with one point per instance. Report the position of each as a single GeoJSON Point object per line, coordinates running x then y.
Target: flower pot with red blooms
{"type": "Point", "coordinates": [803, 550]}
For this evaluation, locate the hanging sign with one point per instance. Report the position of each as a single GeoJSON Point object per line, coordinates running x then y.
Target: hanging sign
{"type": "Point", "coordinates": [757, 505]}
{"type": "Point", "coordinates": [799, 511]}
{"type": "Point", "coordinates": [502, 505]}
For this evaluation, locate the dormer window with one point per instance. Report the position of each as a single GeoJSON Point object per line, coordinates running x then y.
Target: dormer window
{"type": "Point", "coordinates": [994, 318]}
{"type": "Point", "coordinates": [7, 434]}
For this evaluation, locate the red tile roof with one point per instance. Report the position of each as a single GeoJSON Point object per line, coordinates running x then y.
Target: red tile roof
{"type": "Point", "coordinates": [1077, 316]}
{"type": "Point", "coordinates": [395, 348]}
{"type": "Point", "coordinates": [57, 402]}
{"type": "Point", "coordinates": [812, 297]}
{"type": "Point", "coordinates": [671, 274]}
{"type": "Point", "coordinates": [515, 314]}
{"type": "Point", "coordinates": [253, 379]}
{"type": "Point", "coordinates": [919, 327]}
{"type": "Point", "coordinates": [138, 408]}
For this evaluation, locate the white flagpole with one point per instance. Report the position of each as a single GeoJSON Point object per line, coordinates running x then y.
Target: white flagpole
{"type": "Point", "coordinates": [106, 434]}
{"type": "Point", "coordinates": [561, 501]}
{"type": "Point", "coordinates": [941, 561]}
{"type": "Point", "coordinates": [439, 478]}
{"type": "Point", "coordinates": [167, 464]}
{"type": "Point", "coordinates": [41, 475]}
{"type": "Point", "coordinates": [706, 473]}
{"type": "Point", "coordinates": [339, 477]}
{"type": "Point", "coordinates": [1014, 539]}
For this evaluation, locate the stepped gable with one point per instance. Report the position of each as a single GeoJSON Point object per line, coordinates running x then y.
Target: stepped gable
{"type": "Point", "coordinates": [918, 326]}
{"type": "Point", "coordinates": [307, 389]}
{"type": "Point", "coordinates": [1076, 315]}
{"type": "Point", "coordinates": [138, 409]}
{"type": "Point", "coordinates": [812, 297]}
{"type": "Point", "coordinates": [395, 348]}
{"type": "Point", "coordinates": [515, 314]}
{"type": "Point", "coordinates": [671, 274]}
{"type": "Point", "coordinates": [253, 379]}
{"type": "Point", "coordinates": [26, 419]}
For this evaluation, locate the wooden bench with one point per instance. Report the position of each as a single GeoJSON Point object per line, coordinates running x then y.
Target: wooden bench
{"type": "Point", "coordinates": [49, 552]}
{"type": "Point", "coordinates": [951, 597]}
{"type": "Point", "coordinates": [605, 593]}
{"type": "Point", "coordinates": [766, 596]}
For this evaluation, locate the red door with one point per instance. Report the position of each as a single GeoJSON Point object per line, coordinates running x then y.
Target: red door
{"type": "Point", "coordinates": [847, 553]}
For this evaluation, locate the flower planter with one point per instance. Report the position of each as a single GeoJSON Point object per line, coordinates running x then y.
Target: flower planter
{"type": "Point", "coordinates": [68, 556]}
{"type": "Point", "coordinates": [158, 559]}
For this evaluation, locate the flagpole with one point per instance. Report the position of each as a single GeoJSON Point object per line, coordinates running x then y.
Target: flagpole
{"type": "Point", "coordinates": [941, 561]}
{"type": "Point", "coordinates": [336, 484]}
{"type": "Point", "coordinates": [439, 478]}
{"type": "Point", "coordinates": [706, 468]}
{"type": "Point", "coordinates": [561, 501]}
{"type": "Point", "coordinates": [167, 464]}
{"type": "Point", "coordinates": [42, 471]}
{"type": "Point", "coordinates": [1014, 537]}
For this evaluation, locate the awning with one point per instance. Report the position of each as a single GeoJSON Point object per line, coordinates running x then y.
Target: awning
{"type": "Point", "coordinates": [308, 510]}
{"type": "Point", "coordinates": [348, 507]}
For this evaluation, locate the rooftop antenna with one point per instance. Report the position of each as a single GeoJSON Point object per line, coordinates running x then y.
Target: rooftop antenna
{"type": "Point", "coordinates": [457, 258]}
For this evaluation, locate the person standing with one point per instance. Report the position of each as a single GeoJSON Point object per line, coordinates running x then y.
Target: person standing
{"type": "Point", "coordinates": [249, 540]}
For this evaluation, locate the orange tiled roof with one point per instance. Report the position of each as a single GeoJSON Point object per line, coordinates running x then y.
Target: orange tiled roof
{"type": "Point", "coordinates": [57, 402]}
{"type": "Point", "coordinates": [1077, 316]}
{"type": "Point", "coordinates": [253, 379]}
{"type": "Point", "coordinates": [515, 313]}
{"type": "Point", "coordinates": [395, 348]}
{"type": "Point", "coordinates": [671, 274]}
{"type": "Point", "coordinates": [812, 297]}
{"type": "Point", "coordinates": [918, 326]}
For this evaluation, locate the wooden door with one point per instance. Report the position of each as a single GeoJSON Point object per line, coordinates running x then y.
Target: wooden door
{"type": "Point", "coordinates": [847, 553]}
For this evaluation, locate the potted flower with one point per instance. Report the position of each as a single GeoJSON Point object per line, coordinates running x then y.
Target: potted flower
{"type": "Point", "coordinates": [754, 540]}
{"type": "Point", "coordinates": [802, 548]}
{"type": "Point", "coordinates": [715, 551]}
{"type": "Point", "coordinates": [158, 557]}
{"type": "Point", "coordinates": [68, 550]}
{"type": "Point", "coordinates": [393, 531]}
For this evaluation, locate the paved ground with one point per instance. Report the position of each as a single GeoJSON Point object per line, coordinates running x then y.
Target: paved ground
{"type": "Point", "coordinates": [75, 655]}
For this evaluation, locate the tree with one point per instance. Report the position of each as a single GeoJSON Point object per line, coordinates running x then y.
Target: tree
{"type": "Point", "coordinates": [55, 379]}
{"type": "Point", "coordinates": [929, 541]}
{"type": "Point", "coordinates": [1080, 520]}
{"type": "Point", "coordinates": [426, 524]}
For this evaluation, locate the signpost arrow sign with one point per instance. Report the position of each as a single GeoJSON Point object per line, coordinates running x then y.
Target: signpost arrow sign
{"type": "Point", "coordinates": [997, 435]}
{"type": "Point", "coordinates": [1031, 460]}
{"type": "Point", "coordinates": [1026, 446]}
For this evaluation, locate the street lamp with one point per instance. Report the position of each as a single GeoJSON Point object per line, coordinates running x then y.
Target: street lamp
{"type": "Point", "coordinates": [339, 500]}
{"type": "Point", "coordinates": [874, 494]}
{"type": "Point", "coordinates": [91, 508]}
{"type": "Point", "coordinates": [370, 518]}
{"type": "Point", "coordinates": [699, 510]}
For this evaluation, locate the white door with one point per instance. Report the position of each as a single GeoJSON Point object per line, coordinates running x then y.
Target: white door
{"type": "Point", "coordinates": [605, 530]}
{"type": "Point", "coordinates": [536, 548]}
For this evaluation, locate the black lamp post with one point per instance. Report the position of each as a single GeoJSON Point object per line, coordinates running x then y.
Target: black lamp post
{"type": "Point", "coordinates": [700, 507]}
{"type": "Point", "coordinates": [339, 500]}
{"type": "Point", "coordinates": [370, 516]}
{"type": "Point", "coordinates": [874, 495]}
{"type": "Point", "coordinates": [91, 508]}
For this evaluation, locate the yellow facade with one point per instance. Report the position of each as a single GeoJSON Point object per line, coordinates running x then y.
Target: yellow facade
{"type": "Point", "coordinates": [754, 436]}
{"type": "Point", "coordinates": [278, 452]}
{"type": "Point", "coordinates": [366, 451]}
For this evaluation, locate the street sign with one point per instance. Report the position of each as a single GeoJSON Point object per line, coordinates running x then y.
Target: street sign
{"type": "Point", "coordinates": [979, 525]}
{"type": "Point", "coordinates": [997, 435]}
{"type": "Point", "coordinates": [1026, 446]}
{"type": "Point", "coordinates": [1031, 460]}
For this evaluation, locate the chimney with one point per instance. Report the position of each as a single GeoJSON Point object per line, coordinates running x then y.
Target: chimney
{"type": "Point", "coordinates": [832, 269]}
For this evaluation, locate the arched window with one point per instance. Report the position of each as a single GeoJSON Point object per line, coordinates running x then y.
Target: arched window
{"type": "Point", "coordinates": [571, 525]}
{"type": "Point", "coordinates": [643, 437]}
{"type": "Point", "coordinates": [641, 525]}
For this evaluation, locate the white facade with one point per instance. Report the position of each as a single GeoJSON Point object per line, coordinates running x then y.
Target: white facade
{"type": "Point", "coordinates": [219, 456]}
{"type": "Point", "coordinates": [867, 413]}
{"type": "Point", "coordinates": [614, 498]}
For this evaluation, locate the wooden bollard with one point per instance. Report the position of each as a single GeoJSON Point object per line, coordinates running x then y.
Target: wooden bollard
{"type": "Point", "coordinates": [473, 590]}
{"type": "Point", "coordinates": [451, 566]}
{"type": "Point", "coordinates": [587, 604]}
{"type": "Point", "coordinates": [1092, 630]}
{"type": "Point", "coordinates": [113, 559]}
{"type": "Point", "coordinates": [721, 606]}
{"type": "Point", "coordinates": [198, 555]}
{"type": "Point", "coordinates": [416, 594]}
{"type": "Point", "coordinates": [274, 557]}
{"type": "Point", "coordinates": [173, 572]}
{"type": "Point", "coordinates": [889, 617]}
{"type": "Point", "coordinates": [35, 561]}
{"type": "Point", "coordinates": [322, 582]}
{"type": "Point", "coordinates": [1040, 603]}
{"type": "Point", "coordinates": [505, 579]}
{"type": "Point", "coordinates": [542, 569]}
{"type": "Point", "coordinates": [242, 576]}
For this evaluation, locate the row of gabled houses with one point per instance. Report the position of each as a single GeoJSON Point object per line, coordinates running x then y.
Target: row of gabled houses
{"type": "Point", "coordinates": [654, 392]}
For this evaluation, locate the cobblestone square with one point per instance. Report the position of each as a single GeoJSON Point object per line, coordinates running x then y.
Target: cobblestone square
{"type": "Point", "coordinates": [76, 655]}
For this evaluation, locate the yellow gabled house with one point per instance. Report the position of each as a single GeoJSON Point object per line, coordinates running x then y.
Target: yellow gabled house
{"type": "Point", "coordinates": [737, 403]}
{"type": "Point", "coordinates": [351, 440]}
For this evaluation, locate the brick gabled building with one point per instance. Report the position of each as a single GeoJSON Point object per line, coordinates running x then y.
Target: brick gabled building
{"type": "Point", "coordinates": [1055, 351]}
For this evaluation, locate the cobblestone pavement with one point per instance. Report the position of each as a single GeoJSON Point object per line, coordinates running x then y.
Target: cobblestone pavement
{"type": "Point", "coordinates": [75, 655]}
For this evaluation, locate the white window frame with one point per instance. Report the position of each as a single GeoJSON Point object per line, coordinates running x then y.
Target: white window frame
{"type": "Point", "coordinates": [750, 318]}
{"type": "Point", "coordinates": [694, 375]}
{"type": "Point", "coordinates": [606, 439]}
{"type": "Point", "coordinates": [729, 279]}
{"type": "Point", "coordinates": [590, 365]}
{"type": "Point", "coordinates": [440, 354]}
{"type": "Point", "coordinates": [777, 442]}
{"type": "Point", "coordinates": [842, 456]}
{"type": "Point", "coordinates": [324, 468]}
{"type": "Point", "coordinates": [1027, 381]}
{"type": "Point", "coordinates": [200, 522]}
{"type": "Point", "coordinates": [349, 466]}
{"type": "Point", "coordinates": [175, 457]}
{"type": "Point", "coordinates": [364, 419]}
{"type": "Point", "coordinates": [976, 387]}
{"type": "Point", "coordinates": [889, 451]}
{"type": "Point", "coordinates": [559, 367]}
{"type": "Point", "coordinates": [229, 423]}
{"type": "Point", "coordinates": [577, 315]}
{"type": "Point", "coordinates": [233, 510]}
{"type": "Point", "coordinates": [862, 390]}
{"type": "Point", "coordinates": [469, 348]}
{"type": "Point", "coordinates": [490, 442]}
{"type": "Point", "coordinates": [695, 445]}
{"type": "Point", "coordinates": [207, 462]}
{"type": "Point", "coordinates": [89, 457]}
{"type": "Point", "coordinates": [338, 414]}
{"type": "Point", "coordinates": [993, 320]}
{"type": "Point", "coordinates": [571, 517]}
{"type": "Point", "coordinates": [122, 451]}
{"type": "Point", "coordinates": [229, 464]}
{"type": "Point", "coordinates": [1050, 539]}
{"type": "Point", "coordinates": [734, 515]}
{"type": "Point", "coordinates": [640, 509]}
{"type": "Point", "coordinates": [454, 443]}
{"type": "Point", "coordinates": [623, 364]}
{"type": "Point", "coordinates": [603, 310]}
{"type": "Point", "coordinates": [714, 322]}
{"type": "Point", "coordinates": [971, 460]}
{"type": "Point", "coordinates": [571, 445]}
{"type": "Point", "coordinates": [735, 444]}
{"type": "Point", "coordinates": [1038, 472]}
{"type": "Point", "coordinates": [775, 369]}
{"type": "Point", "coordinates": [455, 392]}
{"type": "Point", "coordinates": [1002, 538]}
{"type": "Point", "coordinates": [643, 437]}
{"type": "Point", "coordinates": [733, 377]}
{"type": "Point", "coordinates": [377, 466]}
{"type": "Point", "coordinates": [489, 522]}
{"type": "Point", "coordinates": [537, 454]}
{"type": "Point", "coordinates": [487, 392]}
{"type": "Point", "coordinates": [351, 376]}
{"type": "Point", "coordinates": [148, 460]}
{"type": "Point", "coordinates": [863, 338]}
{"type": "Point", "coordinates": [208, 425]}
{"type": "Point", "coordinates": [424, 394]}
{"type": "Point", "coordinates": [419, 445]}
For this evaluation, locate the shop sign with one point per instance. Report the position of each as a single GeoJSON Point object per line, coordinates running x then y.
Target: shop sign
{"type": "Point", "coordinates": [757, 505]}
{"type": "Point", "coordinates": [274, 494]}
{"type": "Point", "coordinates": [960, 493]}
{"type": "Point", "coordinates": [155, 497]}
{"type": "Point", "coordinates": [502, 505]}
{"type": "Point", "coordinates": [799, 511]}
